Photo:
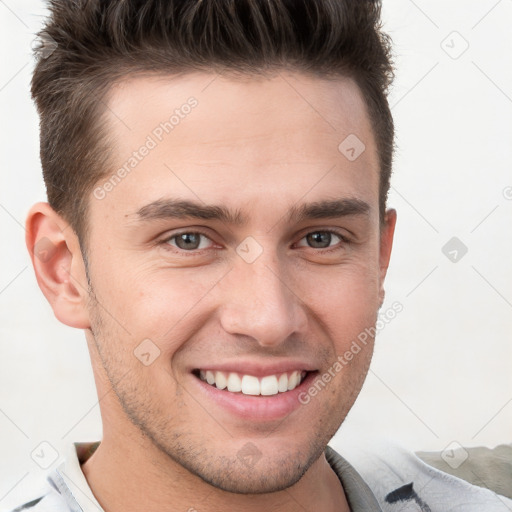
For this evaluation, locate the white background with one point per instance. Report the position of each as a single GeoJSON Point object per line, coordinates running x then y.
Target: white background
{"type": "Point", "coordinates": [441, 370]}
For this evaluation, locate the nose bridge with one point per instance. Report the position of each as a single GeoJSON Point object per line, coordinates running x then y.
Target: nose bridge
{"type": "Point", "coordinates": [259, 302]}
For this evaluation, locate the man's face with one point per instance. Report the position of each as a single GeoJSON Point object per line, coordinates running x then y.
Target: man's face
{"type": "Point", "coordinates": [275, 275]}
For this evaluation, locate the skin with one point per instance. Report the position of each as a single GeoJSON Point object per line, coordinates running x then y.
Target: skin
{"type": "Point", "coordinates": [259, 146]}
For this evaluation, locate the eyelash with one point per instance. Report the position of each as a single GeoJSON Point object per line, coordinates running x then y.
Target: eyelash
{"type": "Point", "coordinates": [165, 242]}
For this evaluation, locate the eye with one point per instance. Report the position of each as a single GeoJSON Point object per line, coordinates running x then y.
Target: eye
{"type": "Point", "coordinates": [189, 241]}
{"type": "Point", "coordinates": [322, 239]}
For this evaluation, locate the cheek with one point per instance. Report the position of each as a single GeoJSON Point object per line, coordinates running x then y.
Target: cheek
{"type": "Point", "coordinates": [345, 297]}
{"type": "Point", "coordinates": [156, 303]}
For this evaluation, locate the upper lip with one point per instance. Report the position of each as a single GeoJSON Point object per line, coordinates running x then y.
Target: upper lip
{"type": "Point", "coordinates": [257, 369]}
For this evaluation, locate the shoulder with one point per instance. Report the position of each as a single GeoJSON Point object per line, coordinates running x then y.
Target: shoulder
{"type": "Point", "coordinates": [41, 496]}
{"type": "Point", "coordinates": [29, 505]}
{"type": "Point", "coordinates": [64, 488]}
{"type": "Point", "coordinates": [400, 480]}
{"type": "Point", "coordinates": [51, 502]}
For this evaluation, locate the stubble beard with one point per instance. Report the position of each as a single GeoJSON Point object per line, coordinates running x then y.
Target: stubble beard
{"type": "Point", "coordinates": [172, 438]}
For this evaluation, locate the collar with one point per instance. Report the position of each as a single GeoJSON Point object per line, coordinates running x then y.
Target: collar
{"type": "Point", "coordinates": [69, 480]}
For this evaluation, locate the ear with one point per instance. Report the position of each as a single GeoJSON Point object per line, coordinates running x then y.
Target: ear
{"type": "Point", "coordinates": [58, 264]}
{"type": "Point", "coordinates": [386, 243]}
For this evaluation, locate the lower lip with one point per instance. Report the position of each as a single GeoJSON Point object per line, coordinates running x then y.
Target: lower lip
{"type": "Point", "coordinates": [257, 408]}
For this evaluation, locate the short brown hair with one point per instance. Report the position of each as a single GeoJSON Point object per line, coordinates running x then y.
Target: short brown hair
{"type": "Point", "coordinates": [96, 42]}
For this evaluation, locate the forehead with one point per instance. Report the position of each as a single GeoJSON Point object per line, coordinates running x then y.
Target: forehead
{"type": "Point", "coordinates": [238, 140]}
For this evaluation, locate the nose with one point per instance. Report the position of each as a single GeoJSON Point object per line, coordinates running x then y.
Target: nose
{"type": "Point", "coordinates": [259, 302]}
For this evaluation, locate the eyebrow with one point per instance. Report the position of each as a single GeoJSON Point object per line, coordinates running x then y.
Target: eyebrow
{"type": "Point", "coordinates": [186, 209]}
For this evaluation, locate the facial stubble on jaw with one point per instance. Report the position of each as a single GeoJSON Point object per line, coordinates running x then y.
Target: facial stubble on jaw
{"type": "Point", "coordinates": [219, 470]}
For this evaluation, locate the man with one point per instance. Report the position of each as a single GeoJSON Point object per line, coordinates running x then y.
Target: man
{"type": "Point", "coordinates": [217, 174]}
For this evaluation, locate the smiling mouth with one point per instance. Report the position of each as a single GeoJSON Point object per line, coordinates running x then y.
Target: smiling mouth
{"type": "Point", "coordinates": [249, 384]}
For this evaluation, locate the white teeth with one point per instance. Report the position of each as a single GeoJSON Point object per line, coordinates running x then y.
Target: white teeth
{"type": "Point", "coordinates": [269, 385]}
{"type": "Point", "coordinates": [234, 383]}
{"type": "Point", "coordinates": [282, 384]}
{"type": "Point", "coordinates": [292, 380]}
{"type": "Point", "coordinates": [250, 385]}
{"type": "Point", "coordinates": [220, 380]}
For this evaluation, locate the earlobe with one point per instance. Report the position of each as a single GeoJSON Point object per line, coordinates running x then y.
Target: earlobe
{"type": "Point", "coordinates": [386, 244]}
{"type": "Point", "coordinates": [58, 265]}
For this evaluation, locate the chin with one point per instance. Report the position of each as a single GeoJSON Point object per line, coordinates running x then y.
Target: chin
{"type": "Point", "coordinates": [247, 470]}
{"type": "Point", "coordinates": [260, 479]}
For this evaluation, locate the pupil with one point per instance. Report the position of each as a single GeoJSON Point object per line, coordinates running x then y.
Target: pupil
{"type": "Point", "coordinates": [319, 239]}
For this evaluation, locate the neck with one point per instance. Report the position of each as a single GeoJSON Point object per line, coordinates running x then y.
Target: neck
{"type": "Point", "coordinates": [142, 478]}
